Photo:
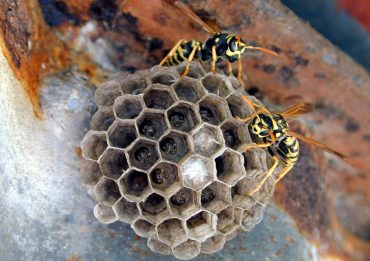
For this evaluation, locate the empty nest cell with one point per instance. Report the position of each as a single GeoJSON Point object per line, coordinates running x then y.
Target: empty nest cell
{"type": "Point", "coordinates": [113, 163]}
{"type": "Point", "coordinates": [134, 83]}
{"type": "Point", "coordinates": [93, 145]}
{"type": "Point", "coordinates": [134, 184]}
{"type": "Point", "coordinates": [125, 210]}
{"type": "Point", "coordinates": [171, 232]}
{"type": "Point", "coordinates": [188, 89]}
{"type": "Point", "coordinates": [217, 84]}
{"type": "Point", "coordinates": [107, 192]}
{"type": "Point", "coordinates": [154, 207]}
{"type": "Point", "coordinates": [159, 97]}
{"type": "Point", "coordinates": [201, 226]}
{"type": "Point", "coordinates": [213, 109]}
{"type": "Point", "coordinates": [235, 134]}
{"type": "Point", "coordinates": [215, 197]}
{"type": "Point", "coordinates": [122, 134]}
{"type": "Point", "coordinates": [102, 119]}
{"type": "Point", "coordinates": [127, 107]}
{"type": "Point", "coordinates": [144, 228]}
{"type": "Point", "coordinates": [229, 167]}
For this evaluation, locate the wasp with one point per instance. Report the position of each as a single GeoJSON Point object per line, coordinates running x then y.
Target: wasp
{"type": "Point", "coordinates": [271, 131]}
{"type": "Point", "coordinates": [222, 45]}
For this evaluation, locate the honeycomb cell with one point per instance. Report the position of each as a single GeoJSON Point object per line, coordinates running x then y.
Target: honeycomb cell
{"type": "Point", "coordinates": [143, 154]}
{"type": "Point", "coordinates": [213, 109]}
{"type": "Point", "coordinates": [254, 161]}
{"type": "Point", "coordinates": [188, 89]}
{"type": "Point", "coordinates": [107, 192]}
{"type": "Point", "coordinates": [127, 107]}
{"type": "Point", "coordinates": [104, 214]}
{"type": "Point", "coordinates": [240, 193]}
{"type": "Point", "coordinates": [107, 93]}
{"type": "Point", "coordinates": [187, 250]}
{"type": "Point", "coordinates": [158, 246]}
{"type": "Point", "coordinates": [182, 117]}
{"type": "Point", "coordinates": [121, 134]}
{"type": "Point", "coordinates": [197, 172]}
{"type": "Point", "coordinates": [152, 125]}
{"type": "Point", "coordinates": [90, 172]}
{"type": "Point", "coordinates": [134, 84]}
{"type": "Point", "coordinates": [154, 207]}
{"type": "Point", "coordinates": [235, 134]}
{"type": "Point", "coordinates": [252, 217]}
{"type": "Point", "coordinates": [213, 244]}
{"type": "Point", "coordinates": [159, 97]}
{"type": "Point", "coordinates": [215, 197]}
{"type": "Point", "coordinates": [201, 226]}
{"type": "Point", "coordinates": [144, 228]}
{"type": "Point", "coordinates": [102, 119]}
{"type": "Point", "coordinates": [164, 177]}
{"type": "Point", "coordinates": [174, 146]}
{"type": "Point", "coordinates": [184, 202]}
{"type": "Point", "coordinates": [171, 232]}
{"type": "Point", "coordinates": [165, 77]}
{"type": "Point", "coordinates": [134, 184]}
{"type": "Point", "coordinates": [126, 211]}
{"type": "Point", "coordinates": [207, 140]}
{"type": "Point", "coordinates": [196, 71]}
{"type": "Point", "coordinates": [238, 107]}
{"type": "Point", "coordinates": [228, 220]}
{"type": "Point", "coordinates": [229, 167]}
{"type": "Point", "coordinates": [113, 163]}
{"type": "Point", "coordinates": [217, 84]}
{"type": "Point", "coordinates": [93, 145]}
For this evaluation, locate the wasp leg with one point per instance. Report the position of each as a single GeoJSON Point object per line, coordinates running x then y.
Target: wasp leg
{"type": "Point", "coordinates": [191, 56]}
{"type": "Point", "coordinates": [249, 146]}
{"type": "Point", "coordinates": [172, 52]}
{"type": "Point", "coordinates": [282, 173]}
{"type": "Point", "coordinates": [214, 58]}
{"type": "Point", "coordinates": [229, 68]}
{"type": "Point", "coordinates": [240, 72]}
{"type": "Point", "coordinates": [245, 120]}
{"type": "Point", "coordinates": [268, 174]}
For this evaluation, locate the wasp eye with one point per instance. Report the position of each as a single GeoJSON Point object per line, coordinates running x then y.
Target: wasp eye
{"type": "Point", "coordinates": [233, 45]}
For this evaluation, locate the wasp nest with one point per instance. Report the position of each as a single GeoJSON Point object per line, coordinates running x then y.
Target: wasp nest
{"type": "Point", "coordinates": [164, 154]}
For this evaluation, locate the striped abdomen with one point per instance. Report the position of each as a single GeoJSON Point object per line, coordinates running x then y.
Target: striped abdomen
{"type": "Point", "coordinates": [183, 52]}
{"type": "Point", "coordinates": [288, 150]}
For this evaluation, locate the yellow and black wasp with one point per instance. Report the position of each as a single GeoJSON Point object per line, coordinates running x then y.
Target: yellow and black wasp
{"type": "Point", "coordinates": [271, 130]}
{"type": "Point", "coordinates": [222, 45]}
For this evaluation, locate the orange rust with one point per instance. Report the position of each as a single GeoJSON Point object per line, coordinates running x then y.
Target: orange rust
{"type": "Point", "coordinates": [29, 46]}
{"type": "Point", "coordinates": [73, 257]}
{"type": "Point", "coordinates": [79, 8]}
{"type": "Point", "coordinates": [78, 151]}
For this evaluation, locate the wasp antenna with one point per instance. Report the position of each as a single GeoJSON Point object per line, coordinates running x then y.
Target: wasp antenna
{"type": "Point", "coordinates": [265, 50]}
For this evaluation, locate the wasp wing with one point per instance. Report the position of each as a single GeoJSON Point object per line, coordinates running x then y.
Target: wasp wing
{"type": "Point", "coordinates": [298, 109]}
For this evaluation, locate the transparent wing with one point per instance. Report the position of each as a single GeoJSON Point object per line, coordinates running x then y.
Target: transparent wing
{"type": "Point", "coordinates": [298, 109]}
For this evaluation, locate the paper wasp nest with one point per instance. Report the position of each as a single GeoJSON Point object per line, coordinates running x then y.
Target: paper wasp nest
{"type": "Point", "coordinates": [164, 155]}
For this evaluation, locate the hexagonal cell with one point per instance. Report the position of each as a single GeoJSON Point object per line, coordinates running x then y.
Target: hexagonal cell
{"type": "Point", "coordinates": [217, 84]}
{"type": "Point", "coordinates": [229, 167]}
{"type": "Point", "coordinates": [93, 145]}
{"type": "Point", "coordinates": [154, 207]}
{"type": "Point", "coordinates": [182, 117]}
{"type": "Point", "coordinates": [165, 76]}
{"type": "Point", "coordinates": [121, 134]}
{"type": "Point", "coordinates": [213, 109]}
{"type": "Point", "coordinates": [125, 210]}
{"type": "Point", "coordinates": [134, 84]}
{"type": "Point", "coordinates": [187, 250]}
{"type": "Point", "coordinates": [90, 172]}
{"type": "Point", "coordinates": [254, 161]}
{"type": "Point", "coordinates": [171, 232]}
{"type": "Point", "coordinates": [143, 154]}
{"type": "Point", "coordinates": [213, 244]}
{"type": "Point", "coordinates": [158, 246]}
{"type": "Point", "coordinates": [189, 90]}
{"type": "Point", "coordinates": [174, 146]}
{"type": "Point", "coordinates": [107, 93]}
{"type": "Point", "coordinates": [113, 163]}
{"type": "Point", "coordinates": [104, 214]}
{"type": "Point", "coordinates": [134, 184]}
{"type": "Point", "coordinates": [184, 202]}
{"type": "Point", "coordinates": [164, 176]}
{"type": "Point", "coordinates": [144, 228]}
{"type": "Point", "coordinates": [201, 226]}
{"type": "Point", "coordinates": [102, 119]}
{"type": "Point", "coordinates": [228, 220]}
{"type": "Point", "coordinates": [196, 70]}
{"type": "Point", "coordinates": [238, 107]}
{"type": "Point", "coordinates": [252, 217]}
{"type": "Point", "coordinates": [207, 140]}
{"type": "Point", "coordinates": [159, 97]}
{"type": "Point", "coordinates": [197, 172]}
{"type": "Point", "coordinates": [235, 134]}
{"type": "Point", "coordinates": [107, 192]}
{"type": "Point", "coordinates": [240, 193]}
{"type": "Point", "coordinates": [215, 197]}
{"type": "Point", "coordinates": [127, 106]}
{"type": "Point", "coordinates": [152, 125]}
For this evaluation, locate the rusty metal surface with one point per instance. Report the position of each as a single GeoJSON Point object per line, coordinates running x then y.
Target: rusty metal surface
{"type": "Point", "coordinates": [329, 203]}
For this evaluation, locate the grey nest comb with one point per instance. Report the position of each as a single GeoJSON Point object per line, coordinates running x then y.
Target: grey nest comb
{"type": "Point", "coordinates": [164, 155]}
